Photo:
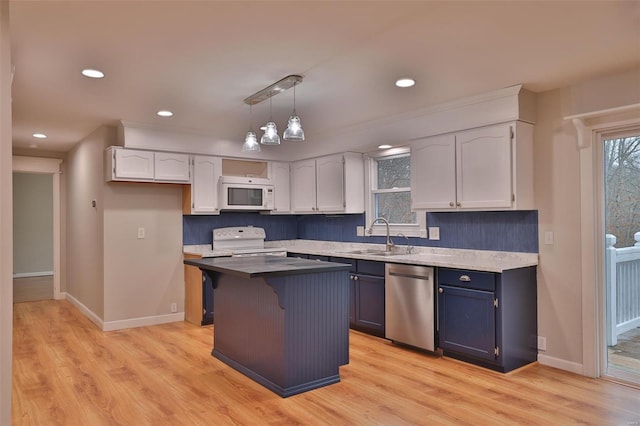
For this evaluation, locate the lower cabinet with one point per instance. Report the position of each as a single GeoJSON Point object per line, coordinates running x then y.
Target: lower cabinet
{"type": "Point", "coordinates": [489, 319]}
{"type": "Point", "coordinates": [198, 295]}
{"type": "Point", "coordinates": [366, 301]}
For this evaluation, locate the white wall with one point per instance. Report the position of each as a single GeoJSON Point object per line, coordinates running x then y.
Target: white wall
{"type": "Point", "coordinates": [558, 199]}
{"type": "Point", "coordinates": [142, 277]}
{"type": "Point", "coordinates": [6, 212]}
{"type": "Point", "coordinates": [85, 223]}
{"type": "Point", "coordinates": [32, 223]}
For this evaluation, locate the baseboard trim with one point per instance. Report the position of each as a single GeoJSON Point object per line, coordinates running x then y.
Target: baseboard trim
{"type": "Point", "coordinates": [562, 364]}
{"type": "Point", "coordinates": [33, 274]}
{"type": "Point", "coordinates": [84, 310]}
{"type": "Point", "coordinates": [143, 321]}
{"type": "Point", "coordinates": [122, 324]}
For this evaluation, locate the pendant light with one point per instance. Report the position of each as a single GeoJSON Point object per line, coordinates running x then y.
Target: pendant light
{"type": "Point", "coordinates": [250, 140]}
{"type": "Point", "coordinates": [270, 136]}
{"type": "Point", "coordinates": [294, 131]}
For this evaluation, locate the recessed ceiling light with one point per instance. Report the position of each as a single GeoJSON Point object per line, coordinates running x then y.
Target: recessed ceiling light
{"type": "Point", "coordinates": [384, 146]}
{"type": "Point", "coordinates": [164, 113]}
{"type": "Point", "coordinates": [39, 136]}
{"type": "Point", "coordinates": [405, 82]}
{"type": "Point", "coordinates": [91, 73]}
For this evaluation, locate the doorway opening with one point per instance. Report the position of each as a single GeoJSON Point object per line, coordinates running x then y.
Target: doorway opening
{"type": "Point", "coordinates": [32, 237]}
{"type": "Point", "coordinates": [621, 190]}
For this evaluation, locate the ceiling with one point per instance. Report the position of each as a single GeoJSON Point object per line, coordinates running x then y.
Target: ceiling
{"type": "Point", "coordinates": [201, 59]}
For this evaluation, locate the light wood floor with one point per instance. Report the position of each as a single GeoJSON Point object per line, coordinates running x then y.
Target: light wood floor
{"type": "Point", "coordinates": [67, 372]}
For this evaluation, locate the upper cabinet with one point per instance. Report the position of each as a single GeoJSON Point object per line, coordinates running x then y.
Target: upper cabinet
{"type": "Point", "coordinates": [171, 167]}
{"type": "Point", "coordinates": [488, 168]}
{"type": "Point", "coordinates": [146, 166]}
{"type": "Point", "coordinates": [280, 176]}
{"type": "Point", "coordinates": [329, 184]}
{"type": "Point", "coordinates": [202, 196]}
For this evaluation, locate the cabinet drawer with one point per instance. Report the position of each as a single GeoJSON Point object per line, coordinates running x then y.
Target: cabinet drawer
{"type": "Point", "coordinates": [346, 260]}
{"type": "Point", "coordinates": [370, 267]}
{"type": "Point", "coordinates": [467, 279]}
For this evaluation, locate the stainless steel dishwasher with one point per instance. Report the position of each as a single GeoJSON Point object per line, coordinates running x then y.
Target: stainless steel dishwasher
{"type": "Point", "coordinates": [409, 305]}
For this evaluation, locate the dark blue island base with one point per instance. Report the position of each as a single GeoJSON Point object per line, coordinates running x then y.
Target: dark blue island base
{"type": "Point", "coordinates": [287, 327]}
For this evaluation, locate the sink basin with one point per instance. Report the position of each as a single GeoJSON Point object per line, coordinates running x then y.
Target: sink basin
{"type": "Point", "coordinates": [373, 252]}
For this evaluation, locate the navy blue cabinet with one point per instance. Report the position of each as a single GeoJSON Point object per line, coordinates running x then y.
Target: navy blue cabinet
{"type": "Point", "coordinates": [367, 303]}
{"type": "Point", "coordinates": [489, 319]}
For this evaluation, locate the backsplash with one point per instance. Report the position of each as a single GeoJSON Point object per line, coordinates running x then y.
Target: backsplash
{"type": "Point", "coordinates": [512, 231]}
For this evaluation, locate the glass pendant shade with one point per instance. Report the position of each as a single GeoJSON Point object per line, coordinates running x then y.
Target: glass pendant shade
{"type": "Point", "coordinates": [294, 131]}
{"type": "Point", "coordinates": [270, 136]}
{"type": "Point", "coordinates": [251, 143]}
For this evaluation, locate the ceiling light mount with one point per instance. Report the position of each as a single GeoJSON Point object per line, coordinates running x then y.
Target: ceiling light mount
{"type": "Point", "coordinates": [279, 86]}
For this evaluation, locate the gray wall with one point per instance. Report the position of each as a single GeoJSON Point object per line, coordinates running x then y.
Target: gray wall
{"type": "Point", "coordinates": [32, 224]}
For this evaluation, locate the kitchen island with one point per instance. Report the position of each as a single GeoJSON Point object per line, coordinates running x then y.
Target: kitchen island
{"type": "Point", "coordinates": [283, 322]}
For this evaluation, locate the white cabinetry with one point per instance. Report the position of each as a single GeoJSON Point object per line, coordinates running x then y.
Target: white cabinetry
{"type": "Point", "coordinates": [279, 172]}
{"type": "Point", "coordinates": [488, 168]}
{"type": "Point", "coordinates": [330, 184]}
{"type": "Point", "coordinates": [171, 167]}
{"type": "Point", "coordinates": [203, 194]}
{"type": "Point", "coordinates": [129, 164]}
{"type": "Point", "coordinates": [146, 166]}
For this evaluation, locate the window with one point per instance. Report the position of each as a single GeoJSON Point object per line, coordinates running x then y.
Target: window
{"type": "Point", "coordinates": [390, 194]}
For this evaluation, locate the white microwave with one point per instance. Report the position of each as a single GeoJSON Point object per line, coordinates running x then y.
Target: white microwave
{"type": "Point", "coordinates": [245, 193]}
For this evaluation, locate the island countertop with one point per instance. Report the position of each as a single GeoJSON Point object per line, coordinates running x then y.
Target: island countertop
{"type": "Point", "coordinates": [265, 266]}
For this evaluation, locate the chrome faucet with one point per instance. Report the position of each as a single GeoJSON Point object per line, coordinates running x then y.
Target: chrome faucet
{"type": "Point", "coordinates": [390, 243]}
{"type": "Point", "coordinates": [409, 246]}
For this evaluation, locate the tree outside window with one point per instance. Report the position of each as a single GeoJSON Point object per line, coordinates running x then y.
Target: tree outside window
{"type": "Point", "coordinates": [622, 188]}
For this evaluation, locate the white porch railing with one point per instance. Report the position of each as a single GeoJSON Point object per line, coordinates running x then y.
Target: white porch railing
{"type": "Point", "coordinates": [622, 266]}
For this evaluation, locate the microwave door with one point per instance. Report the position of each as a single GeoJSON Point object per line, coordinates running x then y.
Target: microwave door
{"type": "Point", "coordinates": [237, 196]}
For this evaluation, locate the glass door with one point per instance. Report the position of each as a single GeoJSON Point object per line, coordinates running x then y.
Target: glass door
{"type": "Point", "coordinates": [621, 173]}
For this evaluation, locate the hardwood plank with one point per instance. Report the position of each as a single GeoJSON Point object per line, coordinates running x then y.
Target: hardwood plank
{"type": "Point", "coordinates": [66, 371]}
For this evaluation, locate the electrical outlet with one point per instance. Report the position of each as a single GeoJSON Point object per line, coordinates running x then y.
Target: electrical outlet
{"type": "Point", "coordinates": [360, 231]}
{"type": "Point", "coordinates": [434, 232]}
{"type": "Point", "coordinates": [140, 233]}
{"type": "Point", "coordinates": [542, 343]}
{"type": "Point", "coordinates": [548, 237]}
{"type": "Point", "coordinates": [174, 307]}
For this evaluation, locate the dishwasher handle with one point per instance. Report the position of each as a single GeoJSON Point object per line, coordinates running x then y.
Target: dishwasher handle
{"type": "Point", "coordinates": [398, 274]}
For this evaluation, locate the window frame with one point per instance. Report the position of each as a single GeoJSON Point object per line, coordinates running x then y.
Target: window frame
{"type": "Point", "coordinates": [417, 229]}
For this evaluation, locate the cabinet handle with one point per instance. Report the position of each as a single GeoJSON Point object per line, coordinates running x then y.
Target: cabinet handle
{"type": "Point", "coordinates": [440, 290]}
{"type": "Point", "coordinates": [465, 278]}
{"type": "Point", "coordinates": [451, 204]}
{"type": "Point", "coordinates": [350, 277]}
{"type": "Point", "coordinates": [458, 204]}
{"type": "Point", "coordinates": [356, 278]}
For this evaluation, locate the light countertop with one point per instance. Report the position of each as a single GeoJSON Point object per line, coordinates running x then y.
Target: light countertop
{"type": "Point", "coordinates": [477, 260]}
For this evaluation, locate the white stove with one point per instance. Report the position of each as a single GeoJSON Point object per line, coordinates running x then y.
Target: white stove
{"type": "Point", "coordinates": [244, 241]}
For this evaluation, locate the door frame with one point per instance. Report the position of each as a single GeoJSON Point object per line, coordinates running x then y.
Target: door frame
{"type": "Point", "coordinates": [47, 166]}
{"type": "Point", "coordinates": [591, 127]}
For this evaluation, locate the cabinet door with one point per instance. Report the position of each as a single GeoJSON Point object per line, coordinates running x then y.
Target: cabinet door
{"type": "Point", "coordinates": [484, 167]}
{"type": "Point", "coordinates": [433, 172]}
{"type": "Point", "coordinates": [369, 309]}
{"type": "Point", "coordinates": [330, 183]}
{"type": "Point", "coordinates": [204, 188]}
{"type": "Point", "coordinates": [281, 197]}
{"type": "Point", "coordinates": [171, 167]}
{"type": "Point", "coordinates": [133, 164]}
{"type": "Point", "coordinates": [303, 186]}
{"type": "Point", "coordinates": [467, 322]}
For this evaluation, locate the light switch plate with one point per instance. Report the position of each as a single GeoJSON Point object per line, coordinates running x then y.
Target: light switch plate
{"type": "Point", "coordinates": [548, 237]}
{"type": "Point", "coordinates": [140, 233]}
{"type": "Point", "coordinates": [434, 232]}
